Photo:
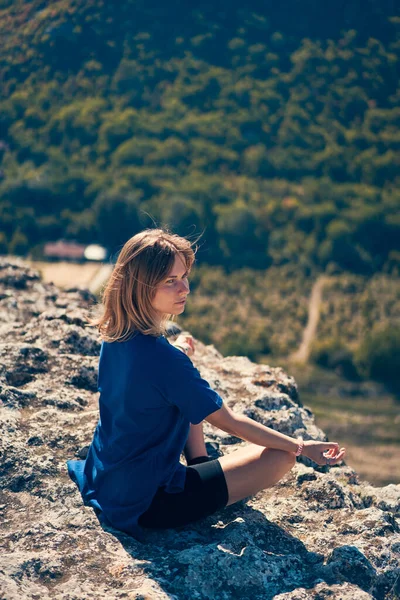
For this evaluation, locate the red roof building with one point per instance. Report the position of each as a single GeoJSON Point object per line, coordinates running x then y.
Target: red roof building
{"type": "Point", "coordinates": [62, 250]}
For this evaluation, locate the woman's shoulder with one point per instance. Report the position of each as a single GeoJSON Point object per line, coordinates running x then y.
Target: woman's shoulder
{"type": "Point", "coordinates": [160, 350]}
{"type": "Point", "coordinates": [134, 339]}
{"type": "Point", "coordinates": [139, 355]}
{"type": "Point", "coordinates": [139, 344]}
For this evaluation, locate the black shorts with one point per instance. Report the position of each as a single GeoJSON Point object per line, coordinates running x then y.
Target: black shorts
{"type": "Point", "coordinates": [204, 493]}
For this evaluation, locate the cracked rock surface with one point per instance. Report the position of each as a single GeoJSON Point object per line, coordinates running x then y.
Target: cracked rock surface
{"type": "Point", "coordinates": [319, 534]}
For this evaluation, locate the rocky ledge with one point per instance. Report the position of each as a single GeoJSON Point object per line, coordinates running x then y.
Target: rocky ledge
{"type": "Point", "coordinates": [320, 533]}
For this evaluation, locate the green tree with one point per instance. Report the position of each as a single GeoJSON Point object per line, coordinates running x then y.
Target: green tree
{"type": "Point", "coordinates": [238, 229]}
{"type": "Point", "coordinates": [117, 218]}
{"type": "Point", "coordinates": [180, 213]}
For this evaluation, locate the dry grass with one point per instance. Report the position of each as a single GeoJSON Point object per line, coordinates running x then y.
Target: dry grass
{"type": "Point", "coordinates": [368, 424]}
{"type": "Point", "coordinates": [377, 464]}
{"type": "Point", "coordinates": [371, 445]}
{"type": "Point", "coordinates": [66, 274]}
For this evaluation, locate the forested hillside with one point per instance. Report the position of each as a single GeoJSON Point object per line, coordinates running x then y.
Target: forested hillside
{"type": "Point", "coordinates": [273, 127]}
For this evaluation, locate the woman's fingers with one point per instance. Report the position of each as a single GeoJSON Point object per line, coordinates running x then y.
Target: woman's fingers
{"type": "Point", "coordinates": [331, 451]}
{"type": "Point", "coordinates": [188, 339]}
{"type": "Point", "coordinates": [190, 343]}
{"type": "Point", "coordinates": [187, 343]}
{"type": "Point", "coordinates": [333, 458]}
{"type": "Point", "coordinates": [339, 457]}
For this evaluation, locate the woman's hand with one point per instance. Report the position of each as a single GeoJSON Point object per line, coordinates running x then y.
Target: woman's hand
{"type": "Point", "coordinates": [323, 453]}
{"type": "Point", "coordinates": [185, 342]}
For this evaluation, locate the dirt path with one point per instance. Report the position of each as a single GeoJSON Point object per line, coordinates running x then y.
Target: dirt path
{"type": "Point", "coordinates": [303, 353]}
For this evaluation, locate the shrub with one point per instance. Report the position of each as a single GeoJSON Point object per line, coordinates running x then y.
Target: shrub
{"type": "Point", "coordinates": [332, 353]}
{"type": "Point", "coordinates": [248, 342]}
{"type": "Point", "coordinates": [378, 356]}
{"type": "Point", "coordinates": [18, 244]}
{"type": "Point", "coordinates": [3, 243]}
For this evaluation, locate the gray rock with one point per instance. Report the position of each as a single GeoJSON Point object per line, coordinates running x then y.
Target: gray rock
{"type": "Point", "coordinates": [348, 563]}
{"type": "Point", "coordinates": [322, 591]}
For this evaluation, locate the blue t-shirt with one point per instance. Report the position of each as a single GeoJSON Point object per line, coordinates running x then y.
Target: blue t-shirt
{"type": "Point", "coordinates": [150, 392]}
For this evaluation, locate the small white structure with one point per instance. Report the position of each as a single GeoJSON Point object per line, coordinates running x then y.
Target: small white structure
{"type": "Point", "coordinates": [95, 252]}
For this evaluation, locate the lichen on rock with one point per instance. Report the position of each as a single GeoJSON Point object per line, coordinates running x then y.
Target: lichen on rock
{"type": "Point", "coordinates": [318, 534]}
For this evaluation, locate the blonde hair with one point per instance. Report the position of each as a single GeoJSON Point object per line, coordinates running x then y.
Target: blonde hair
{"type": "Point", "coordinates": [143, 263]}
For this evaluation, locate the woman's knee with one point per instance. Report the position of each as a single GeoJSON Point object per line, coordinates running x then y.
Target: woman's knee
{"type": "Point", "coordinates": [285, 459]}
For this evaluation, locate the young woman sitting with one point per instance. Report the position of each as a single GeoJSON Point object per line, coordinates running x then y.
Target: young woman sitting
{"type": "Point", "coordinates": [153, 402]}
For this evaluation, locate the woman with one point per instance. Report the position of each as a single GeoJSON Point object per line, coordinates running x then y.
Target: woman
{"type": "Point", "coordinates": [153, 401]}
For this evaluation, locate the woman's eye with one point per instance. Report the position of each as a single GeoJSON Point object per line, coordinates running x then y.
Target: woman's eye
{"type": "Point", "coordinates": [185, 278]}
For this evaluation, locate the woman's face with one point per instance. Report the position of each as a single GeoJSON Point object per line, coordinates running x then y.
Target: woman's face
{"type": "Point", "coordinates": [170, 297]}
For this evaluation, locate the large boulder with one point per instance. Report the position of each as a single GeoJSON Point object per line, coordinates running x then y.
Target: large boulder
{"type": "Point", "coordinates": [320, 533]}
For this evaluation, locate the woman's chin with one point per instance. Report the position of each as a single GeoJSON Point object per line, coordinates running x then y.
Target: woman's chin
{"type": "Point", "coordinates": [179, 309]}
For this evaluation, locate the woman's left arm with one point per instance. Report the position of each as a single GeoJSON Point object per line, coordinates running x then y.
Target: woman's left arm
{"type": "Point", "coordinates": [259, 434]}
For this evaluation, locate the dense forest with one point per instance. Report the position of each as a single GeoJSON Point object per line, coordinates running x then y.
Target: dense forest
{"type": "Point", "coordinates": [273, 129]}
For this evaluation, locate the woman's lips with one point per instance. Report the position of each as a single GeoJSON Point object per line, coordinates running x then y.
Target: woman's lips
{"type": "Point", "coordinates": [181, 301]}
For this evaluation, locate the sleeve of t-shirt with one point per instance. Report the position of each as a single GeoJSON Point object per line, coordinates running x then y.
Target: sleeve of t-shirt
{"type": "Point", "coordinates": [183, 386]}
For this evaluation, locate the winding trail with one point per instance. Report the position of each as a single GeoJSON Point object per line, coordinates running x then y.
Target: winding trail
{"type": "Point", "coordinates": [302, 354]}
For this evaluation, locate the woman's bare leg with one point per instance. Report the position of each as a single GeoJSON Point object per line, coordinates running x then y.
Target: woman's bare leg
{"type": "Point", "coordinates": [247, 470]}
{"type": "Point", "coordinates": [195, 445]}
{"type": "Point", "coordinates": [254, 468]}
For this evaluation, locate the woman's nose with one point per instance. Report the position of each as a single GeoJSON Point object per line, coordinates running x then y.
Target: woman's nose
{"type": "Point", "coordinates": [185, 286]}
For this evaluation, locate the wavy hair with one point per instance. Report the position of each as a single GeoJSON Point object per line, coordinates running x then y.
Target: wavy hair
{"type": "Point", "coordinates": [143, 263]}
